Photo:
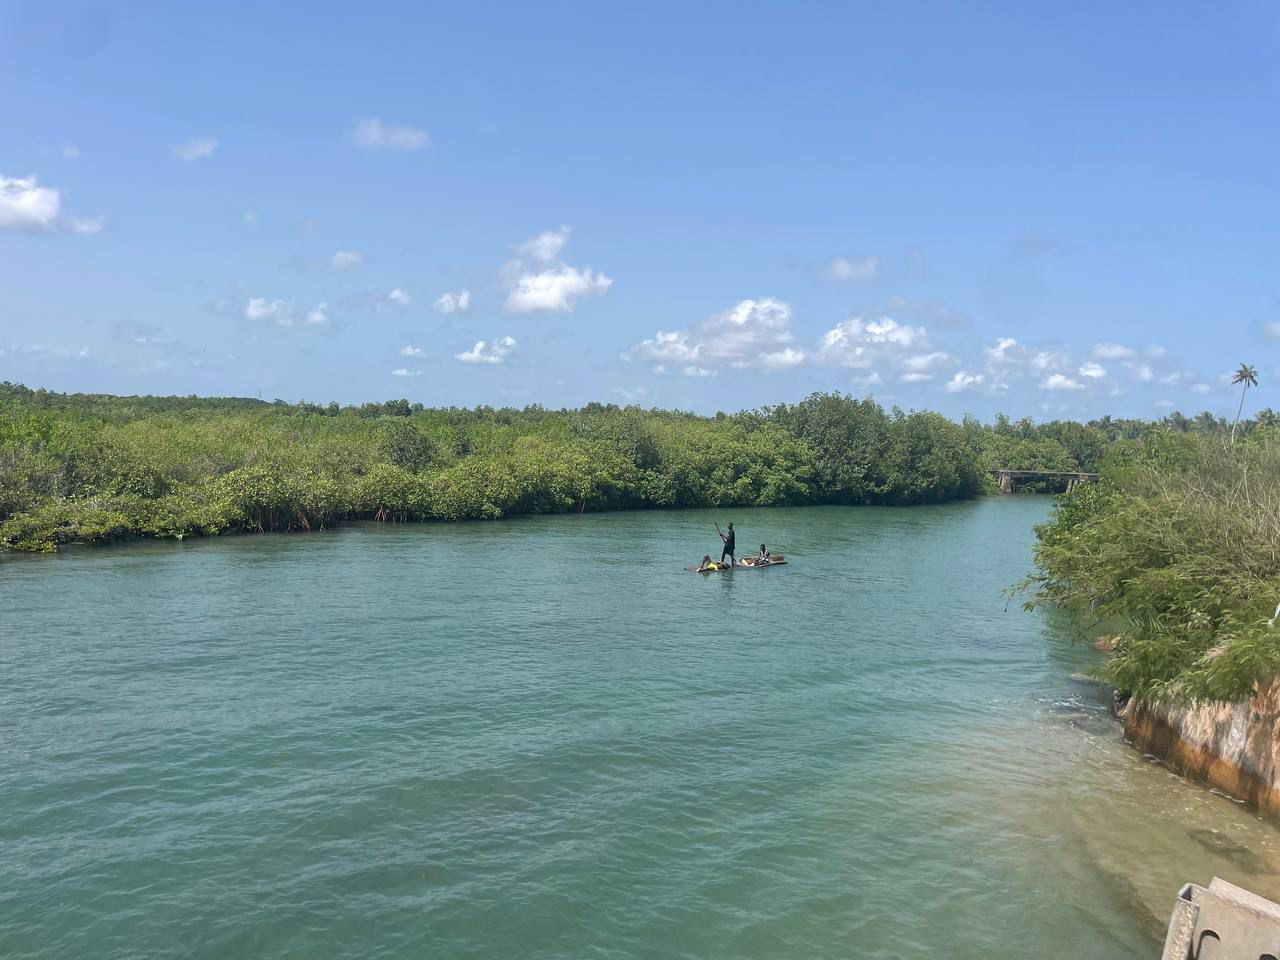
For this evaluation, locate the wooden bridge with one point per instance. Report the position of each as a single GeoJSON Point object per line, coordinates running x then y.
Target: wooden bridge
{"type": "Point", "coordinates": [1008, 478]}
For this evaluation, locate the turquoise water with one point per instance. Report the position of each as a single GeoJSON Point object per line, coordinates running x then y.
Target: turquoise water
{"type": "Point", "coordinates": [542, 738]}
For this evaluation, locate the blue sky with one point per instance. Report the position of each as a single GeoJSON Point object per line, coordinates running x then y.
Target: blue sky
{"type": "Point", "coordinates": [1051, 210]}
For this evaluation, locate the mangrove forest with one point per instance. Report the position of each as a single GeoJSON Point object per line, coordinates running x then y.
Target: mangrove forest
{"type": "Point", "coordinates": [93, 468]}
{"type": "Point", "coordinates": [1174, 556]}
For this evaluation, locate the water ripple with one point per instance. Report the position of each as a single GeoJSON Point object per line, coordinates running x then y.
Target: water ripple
{"type": "Point", "coordinates": [541, 738]}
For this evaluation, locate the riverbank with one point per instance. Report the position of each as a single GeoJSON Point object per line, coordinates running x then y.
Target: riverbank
{"type": "Point", "coordinates": [1177, 552]}
{"type": "Point", "coordinates": [77, 468]}
{"type": "Point", "coordinates": [1233, 747]}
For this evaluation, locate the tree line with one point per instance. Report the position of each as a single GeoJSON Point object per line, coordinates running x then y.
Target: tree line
{"type": "Point", "coordinates": [87, 467]}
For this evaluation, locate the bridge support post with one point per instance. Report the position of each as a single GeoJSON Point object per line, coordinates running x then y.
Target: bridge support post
{"type": "Point", "coordinates": [1070, 479]}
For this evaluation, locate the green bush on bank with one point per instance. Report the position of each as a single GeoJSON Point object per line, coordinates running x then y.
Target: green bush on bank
{"type": "Point", "coordinates": [93, 468]}
{"type": "Point", "coordinates": [1180, 546]}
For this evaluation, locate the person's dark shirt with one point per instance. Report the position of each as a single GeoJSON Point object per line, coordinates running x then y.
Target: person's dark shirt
{"type": "Point", "coordinates": [728, 540]}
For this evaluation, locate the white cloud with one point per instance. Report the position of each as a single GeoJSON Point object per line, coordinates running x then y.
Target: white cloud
{"type": "Point", "coordinates": [1058, 381]}
{"type": "Point", "coordinates": [859, 343]}
{"type": "Point", "coordinates": [485, 352]}
{"type": "Point", "coordinates": [843, 345]}
{"type": "Point", "coordinates": [1009, 360]}
{"type": "Point", "coordinates": [283, 313]}
{"type": "Point", "coordinates": [411, 351]}
{"type": "Point", "coordinates": [758, 335]}
{"type": "Point", "coordinates": [888, 330]}
{"type": "Point", "coordinates": [28, 207]}
{"type": "Point", "coordinates": [196, 148]}
{"type": "Point", "coordinates": [1141, 364]}
{"type": "Point", "coordinates": [395, 301]}
{"type": "Point", "coordinates": [277, 311]}
{"type": "Point", "coordinates": [87, 227]}
{"type": "Point", "coordinates": [857, 269]}
{"type": "Point", "coordinates": [750, 329]}
{"type": "Point", "coordinates": [545, 246]}
{"type": "Point", "coordinates": [372, 134]}
{"type": "Point", "coordinates": [71, 151]}
{"type": "Point", "coordinates": [1055, 369]}
{"type": "Point", "coordinates": [346, 259]}
{"type": "Point", "coordinates": [925, 363]}
{"type": "Point", "coordinates": [405, 372]}
{"type": "Point", "coordinates": [631, 396]}
{"type": "Point", "coordinates": [1004, 351]}
{"type": "Point", "coordinates": [1047, 359]}
{"type": "Point", "coordinates": [751, 333]}
{"type": "Point", "coordinates": [1111, 351]}
{"type": "Point", "coordinates": [450, 302]}
{"type": "Point", "coordinates": [1272, 330]}
{"type": "Point", "coordinates": [781, 359]}
{"type": "Point", "coordinates": [548, 284]}
{"type": "Point", "coordinates": [44, 350]}
{"type": "Point", "coordinates": [555, 290]}
{"type": "Point", "coordinates": [963, 381]}
{"type": "Point", "coordinates": [673, 346]}
{"type": "Point", "coordinates": [932, 314]}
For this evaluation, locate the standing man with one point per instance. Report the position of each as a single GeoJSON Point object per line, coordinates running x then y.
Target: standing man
{"type": "Point", "coordinates": [729, 541]}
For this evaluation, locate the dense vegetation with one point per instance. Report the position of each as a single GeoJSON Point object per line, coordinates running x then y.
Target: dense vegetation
{"type": "Point", "coordinates": [1178, 549]}
{"type": "Point", "coordinates": [94, 468]}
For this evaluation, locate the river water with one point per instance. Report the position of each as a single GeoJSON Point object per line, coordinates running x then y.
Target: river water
{"type": "Point", "coordinates": [543, 738]}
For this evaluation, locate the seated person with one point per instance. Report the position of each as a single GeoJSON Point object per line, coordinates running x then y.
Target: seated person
{"type": "Point", "coordinates": [708, 564]}
{"type": "Point", "coordinates": [763, 556]}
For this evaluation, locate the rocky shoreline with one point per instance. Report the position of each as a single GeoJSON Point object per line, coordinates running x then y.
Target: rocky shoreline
{"type": "Point", "coordinates": [1234, 747]}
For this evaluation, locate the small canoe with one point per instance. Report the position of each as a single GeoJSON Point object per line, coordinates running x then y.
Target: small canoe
{"type": "Point", "coordinates": [745, 564]}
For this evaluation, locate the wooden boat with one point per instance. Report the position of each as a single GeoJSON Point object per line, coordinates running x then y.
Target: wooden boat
{"type": "Point", "coordinates": [746, 563]}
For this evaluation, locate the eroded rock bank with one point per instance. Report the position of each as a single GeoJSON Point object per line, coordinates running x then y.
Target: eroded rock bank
{"type": "Point", "coordinates": [1232, 746]}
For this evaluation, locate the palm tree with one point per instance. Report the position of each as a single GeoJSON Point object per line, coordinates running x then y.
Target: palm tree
{"type": "Point", "coordinates": [1107, 426]}
{"type": "Point", "coordinates": [1205, 422]}
{"type": "Point", "coordinates": [1247, 377]}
